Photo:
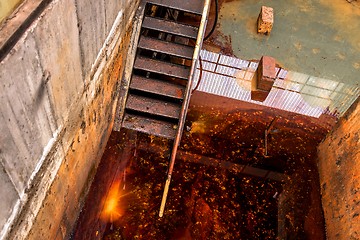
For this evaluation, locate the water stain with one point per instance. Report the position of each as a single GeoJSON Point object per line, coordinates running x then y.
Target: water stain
{"type": "Point", "coordinates": [315, 50]}
{"type": "Point", "coordinates": [298, 46]}
{"type": "Point", "coordinates": [341, 55]}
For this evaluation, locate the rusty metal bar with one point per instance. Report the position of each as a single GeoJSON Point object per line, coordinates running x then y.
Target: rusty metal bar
{"type": "Point", "coordinates": [150, 126]}
{"type": "Point", "coordinates": [166, 68]}
{"type": "Point", "coordinates": [187, 6]}
{"type": "Point", "coordinates": [171, 27]}
{"type": "Point", "coordinates": [184, 108]}
{"type": "Point", "coordinates": [158, 87]}
{"type": "Point", "coordinates": [153, 106]}
{"type": "Point", "coordinates": [171, 48]}
{"type": "Point", "coordinates": [236, 168]}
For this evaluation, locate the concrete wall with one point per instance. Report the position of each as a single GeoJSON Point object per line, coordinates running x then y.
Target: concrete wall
{"type": "Point", "coordinates": [59, 87]}
{"type": "Point", "coordinates": [339, 168]}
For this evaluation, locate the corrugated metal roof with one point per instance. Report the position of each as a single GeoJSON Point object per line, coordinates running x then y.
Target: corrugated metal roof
{"type": "Point", "coordinates": [292, 91]}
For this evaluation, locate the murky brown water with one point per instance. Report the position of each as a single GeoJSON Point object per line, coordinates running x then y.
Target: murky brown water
{"type": "Point", "coordinates": [207, 201]}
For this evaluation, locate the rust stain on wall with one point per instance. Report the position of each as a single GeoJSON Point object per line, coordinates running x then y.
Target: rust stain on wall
{"type": "Point", "coordinates": [339, 168]}
{"type": "Point", "coordinates": [89, 132]}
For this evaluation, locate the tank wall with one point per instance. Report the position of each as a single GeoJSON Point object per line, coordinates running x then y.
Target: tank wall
{"type": "Point", "coordinates": [339, 169]}
{"type": "Point", "coordinates": [59, 87]}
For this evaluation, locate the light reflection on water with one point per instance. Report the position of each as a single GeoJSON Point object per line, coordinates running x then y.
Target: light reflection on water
{"type": "Point", "coordinates": [292, 91]}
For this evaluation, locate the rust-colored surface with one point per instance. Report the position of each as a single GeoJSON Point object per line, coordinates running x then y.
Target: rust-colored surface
{"type": "Point", "coordinates": [152, 126]}
{"type": "Point", "coordinates": [171, 48]}
{"type": "Point", "coordinates": [156, 66]}
{"type": "Point", "coordinates": [266, 73]}
{"type": "Point", "coordinates": [160, 87]}
{"type": "Point", "coordinates": [339, 167]}
{"type": "Point", "coordinates": [153, 106]}
{"type": "Point", "coordinates": [175, 28]}
{"type": "Point", "coordinates": [235, 132]}
{"type": "Point", "coordinates": [182, 5]}
{"type": "Point", "coordinates": [89, 134]}
{"type": "Point", "coordinates": [109, 172]}
{"type": "Point", "coordinates": [208, 201]}
{"type": "Point", "coordinates": [217, 42]}
{"type": "Point", "coordinates": [204, 202]}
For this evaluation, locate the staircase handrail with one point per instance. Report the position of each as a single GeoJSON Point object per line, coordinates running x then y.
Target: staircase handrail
{"type": "Point", "coordinates": [198, 45]}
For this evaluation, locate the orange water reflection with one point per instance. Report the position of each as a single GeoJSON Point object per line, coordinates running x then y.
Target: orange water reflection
{"type": "Point", "coordinates": [113, 209]}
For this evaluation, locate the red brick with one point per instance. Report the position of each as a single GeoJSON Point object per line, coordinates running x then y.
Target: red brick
{"type": "Point", "coordinates": [266, 73]}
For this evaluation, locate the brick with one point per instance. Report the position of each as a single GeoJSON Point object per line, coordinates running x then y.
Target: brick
{"type": "Point", "coordinates": [266, 73]}
{"type": "Point", "coordinates": [265, 20]}
{"type": "Point", "coordinates": [264, 78]}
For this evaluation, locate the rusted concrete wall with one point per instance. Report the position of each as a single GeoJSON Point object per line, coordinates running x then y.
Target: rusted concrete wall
{"type": "Point", "coordinates": [339, 168]}
{"type": "Point", "coordinates": [58, 91]}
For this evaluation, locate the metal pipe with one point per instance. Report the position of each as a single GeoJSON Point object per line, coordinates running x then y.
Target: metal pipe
{"type": "Point", "coordinates": [185, 105]}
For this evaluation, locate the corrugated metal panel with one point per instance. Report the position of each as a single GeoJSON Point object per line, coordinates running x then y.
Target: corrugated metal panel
{"type": "Point", "coordinates": [292, 91]}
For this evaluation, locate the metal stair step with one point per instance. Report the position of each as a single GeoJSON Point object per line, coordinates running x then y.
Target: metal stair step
{"type": "Point", "coordinates": [150, 126]}
{"type": "Point", "coordinates": [156, 66]}
{"type": "Point", "coordinates": [158, 87]}
{"type": "Point", "coordinates": [170, 27]}
{"type": "Point", "coordinates": [195, 7]}
{"type": "Point", "coordinates": [153, 106]}
{"type": "Point", "coordinates": [174, 49]}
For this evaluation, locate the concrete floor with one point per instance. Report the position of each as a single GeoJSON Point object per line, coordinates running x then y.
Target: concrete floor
{"type": "Point", "coordinates": [314, 37]}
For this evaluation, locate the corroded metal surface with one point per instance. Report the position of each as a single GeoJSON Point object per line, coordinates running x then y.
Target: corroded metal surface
{"type": "Point", "coordinates": [170, 48]}
{"type": "Point", "coordinates": [153, 106]}
{"type": "Point", "coordinates": [233, 167]}
{"type": "Point", "coordinates": [161, 67]}
{"type": "Point", "coordinates": [158, 87]}
{"type": "Point", "coordinates": [170, 27]}
{"type": "Point", "coordinates": [158, 60]}
{"type": "Point", "coordinates": [150, 126]}
{"type": "Point", "coordinates": [182, 5]}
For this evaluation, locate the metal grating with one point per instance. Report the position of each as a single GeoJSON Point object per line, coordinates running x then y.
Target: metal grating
{"type": "Point", "coordinates": [292, 91]}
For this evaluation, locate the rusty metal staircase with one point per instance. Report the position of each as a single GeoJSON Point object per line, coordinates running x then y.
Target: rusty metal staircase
{"type": "Point", "coordinates": [162, 66]}
{"type": "Point", "coordinates": [171, 35]}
